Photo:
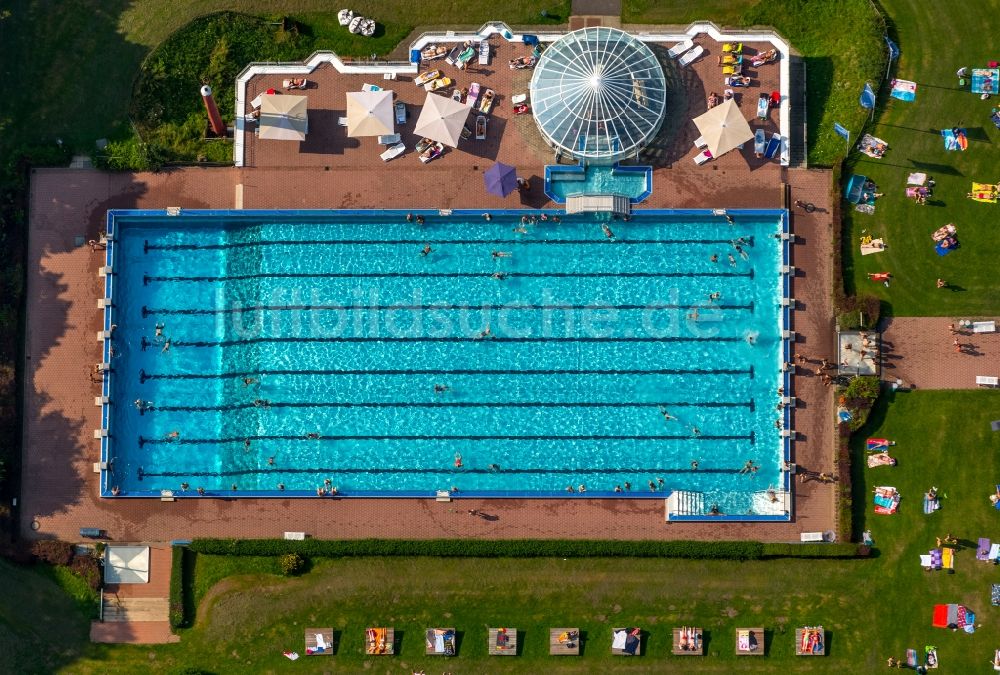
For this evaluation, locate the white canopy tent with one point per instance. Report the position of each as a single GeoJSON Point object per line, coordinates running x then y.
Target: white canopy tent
{"type": "Point", "coordinates": [723, 128]}
{"type": "Point", "coordinates": [126, 565]}
{"type": "Point", "coordinates": [283, 117]}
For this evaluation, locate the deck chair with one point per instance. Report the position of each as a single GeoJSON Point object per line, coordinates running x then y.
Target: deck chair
{"type": "Point", "coordinates": [700, 142]}
{"type": "Point", "coordinates": [680, 48]}
{"type": "Point", "coordinates": [733, 47]}
{"type": "Point", "coordinates": [773, 146]}
{"type": "Point", "coordinates": [691, 56]}
{"type": "Point", "coordinates": [702, 157]}
{"type": "Point", "coordinates": [731, 70]}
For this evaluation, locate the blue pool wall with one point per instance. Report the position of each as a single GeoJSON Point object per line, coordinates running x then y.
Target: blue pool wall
{"type": "Point", "coordinates": [567, 172]}
{"type": "Point", "coordinates": [119, 218]}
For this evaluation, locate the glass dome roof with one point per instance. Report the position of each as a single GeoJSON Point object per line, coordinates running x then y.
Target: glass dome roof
{"type": "Point", "coordinates": [598, 94]}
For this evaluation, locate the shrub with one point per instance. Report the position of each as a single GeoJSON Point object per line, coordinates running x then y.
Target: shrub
{"type": "Point", "coordinates": [178, 617]}
{"type": "Point", "coordinates": [721, 550]}
{"type": "Point", "coordinates": [292, 564]}
{"type": "Point", "coordinates": [53, 552]}
{"type": "Point", "coordinates": [837, 550]}
{"type": "Point", "coordinates": [88, 569]}
{"type": "Point", "coordinates": [866, 387]}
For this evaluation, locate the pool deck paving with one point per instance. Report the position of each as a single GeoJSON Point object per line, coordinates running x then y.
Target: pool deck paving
{"type": "Point", "coordinates": [60, 490]}
{"type": "Point", "coordinates": [921, 352]}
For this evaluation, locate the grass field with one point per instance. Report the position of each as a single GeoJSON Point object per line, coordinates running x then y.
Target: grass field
{"type": "Point", "coordinates": [81, 57]}
{"type": "Point", "coordinates": [873, 609]}
{"type": "Point", "coordinates": [913, 133]}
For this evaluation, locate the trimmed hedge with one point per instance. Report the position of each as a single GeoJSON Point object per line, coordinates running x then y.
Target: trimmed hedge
{"type": "Point", "coordinates": [178, 617]}
{"type": "Point", "coordinates": [520, 548]}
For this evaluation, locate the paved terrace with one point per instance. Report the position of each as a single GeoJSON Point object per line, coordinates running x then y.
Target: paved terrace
{"type": "Point", "coordinates": [921, 352]}
{"type": "Point", "coordinates": [68, 206]}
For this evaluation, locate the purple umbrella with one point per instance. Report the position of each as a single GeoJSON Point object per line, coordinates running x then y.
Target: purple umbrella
{"type": "Point", "coordinates": [501, 179]}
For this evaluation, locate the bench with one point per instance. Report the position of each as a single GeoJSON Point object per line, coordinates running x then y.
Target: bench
{"type": "Point", "coordinates": [622, 652]}
{"type": "Point", "coordinates": [984, 326]}
{"type": "Point", "coordinates": [798, 642]}
{"type": "Point", "coordinates": [987, 381]}
{"type": "Point", "coordinates": [509, 649]}
{"type": "Point", "coordinates": [698, 635]}
{"type": "Point", "coordinates": [811, 537]}
{"type": "Point", "coordinates": [758, 634]}
{"type": "Point", "coordinates": [566, 648]}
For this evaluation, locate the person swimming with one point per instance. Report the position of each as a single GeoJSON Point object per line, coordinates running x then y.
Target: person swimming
{"type": "Point", "coordinates": [732, 260]}
{"type": "Point", "coordinates": [607, 231]}
{"type": "Point", "coordinates": [501, 254]}
{"type": "Point", "coordinates": [666, 415]}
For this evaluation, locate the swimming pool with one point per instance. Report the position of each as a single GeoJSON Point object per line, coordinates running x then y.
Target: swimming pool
{"type": "Point", "coordinates": [275, 351]}
{"type": "Point", "coordinates": [562, 181]}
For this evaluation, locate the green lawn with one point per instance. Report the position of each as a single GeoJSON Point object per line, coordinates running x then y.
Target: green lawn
{"type": "Point", "coordinates": [81, 57]}
{"type": "Point", "coordinates": [873, 608]}
{"type": "Point", "coordinates": [912, 130]}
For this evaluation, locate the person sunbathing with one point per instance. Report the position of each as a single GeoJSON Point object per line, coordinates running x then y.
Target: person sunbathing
{"type": "Point", "coordinates": [297, 83]}
{"type": "Point", "coordinates": [713, 100]}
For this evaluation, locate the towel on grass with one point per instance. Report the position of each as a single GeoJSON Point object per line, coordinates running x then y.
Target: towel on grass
{"type": "Point", "coordinates": [874, 246]}
{"type": "Point", "coordinates": [904, 90]}
{"type": "Point", "coordinates": [619, 640]}
{"type": "Point", "coordinates": [953, 142]}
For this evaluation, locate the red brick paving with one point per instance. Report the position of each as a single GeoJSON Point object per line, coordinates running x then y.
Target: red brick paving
{"type": "Point", "coordinates": [60, 490]}
{"type": "Point", "coordinates": [920, 352]}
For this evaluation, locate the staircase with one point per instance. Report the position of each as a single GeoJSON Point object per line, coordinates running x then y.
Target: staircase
{"type": "Point", "coordinates": [685, 503]}
{"type": "Point", "coordinates": [797, 113]}
{"type": "Point", "coordinates": [599, 203]}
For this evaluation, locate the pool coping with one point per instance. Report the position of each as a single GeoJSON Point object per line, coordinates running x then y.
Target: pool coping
{"type": "Point", "coordinates": [104, 433]}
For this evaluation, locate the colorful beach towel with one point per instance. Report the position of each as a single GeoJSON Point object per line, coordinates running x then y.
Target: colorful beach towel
{"type": "Point", "coordinates": [955, 142]}
{"type": "Point", "coordinates": [904, 90]}
{"type": "Point", "coordinates": [984, 192]}
{"type": "Point", "coordinates": [985, 80]}
{"type": "Point", "coordinates": [886, 500]}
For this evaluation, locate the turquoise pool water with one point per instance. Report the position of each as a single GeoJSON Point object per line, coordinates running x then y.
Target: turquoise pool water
{"type": "Point", "coordinates": [630, 182]}
{"type": "Point", "coordinates": [332, 348]}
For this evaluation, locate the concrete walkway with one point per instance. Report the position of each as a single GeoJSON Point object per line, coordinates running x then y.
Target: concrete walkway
{"type": "Point", "coordinates": [921, 352]}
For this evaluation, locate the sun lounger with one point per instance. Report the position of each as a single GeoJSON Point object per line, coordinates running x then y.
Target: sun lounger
{"type": "Point", "coordinates": [763, 105]}
{"type": "Point", "coordinates": [680, 48]}
{"type": "Point", "coordinates": [773, 146]}
{"type": "Point", "coordinates": [295, 83]}
{"type": "Point", "coordinates": [759, 142]}
{"type": "Point", "coordinates": [700, 142]}
{"type": "Point", "coordinates": [389, 139]}
{"type": "Point", "coordinates": [691, 56]}
{"type": "Point", "coordinates": [732, 48]}
{"type": "Point", "coordinates": [484, 53]}
{"type": "Point", "coordinates": [342, 121]}
{"type": "Point", "coordinates": [702, 157]}
{"type": "Point", "coordinates": [393, 152]}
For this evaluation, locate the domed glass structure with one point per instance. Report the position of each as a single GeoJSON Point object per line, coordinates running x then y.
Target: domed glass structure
{"type": "Point", "coordinates": [598, 94]}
